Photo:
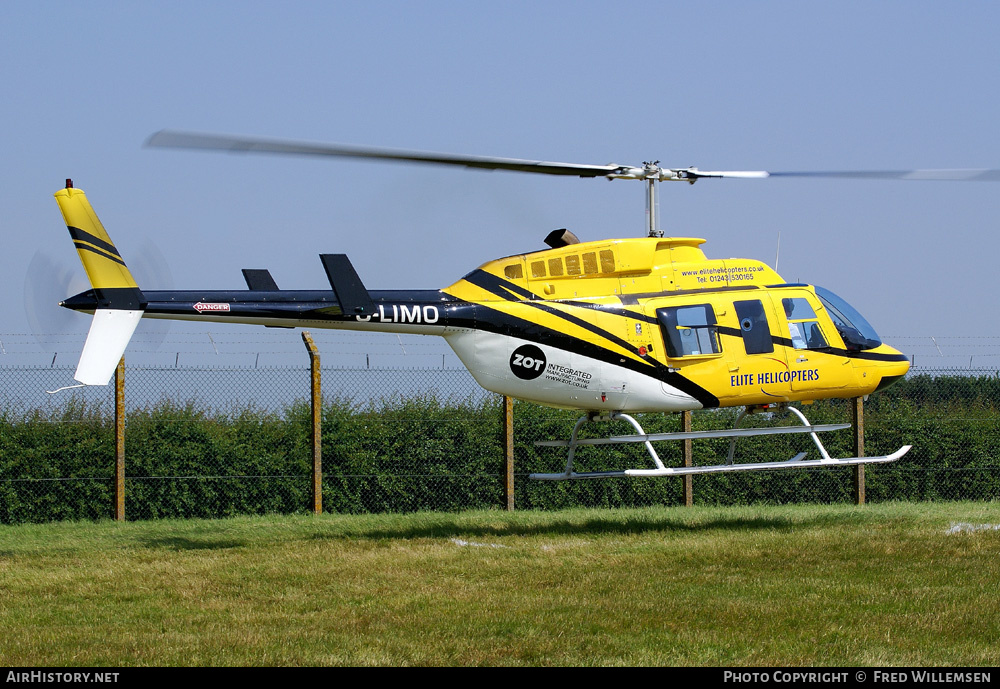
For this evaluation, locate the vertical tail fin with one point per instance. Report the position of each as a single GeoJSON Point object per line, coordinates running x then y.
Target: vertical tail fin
{"type": "Point", "coordinates": [109, 276]}
{"type": "Point", "coordinates": [118, 300]}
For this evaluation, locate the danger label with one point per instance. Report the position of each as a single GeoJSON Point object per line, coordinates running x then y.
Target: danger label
{"type": "Point", "coordinates": [202, 307]}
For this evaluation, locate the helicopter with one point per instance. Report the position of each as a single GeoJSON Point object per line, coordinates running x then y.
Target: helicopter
{"type": "Point", "coordinates": [610, 327]}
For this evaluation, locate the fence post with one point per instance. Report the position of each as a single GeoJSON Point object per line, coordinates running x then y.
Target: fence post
{"type": "Point", "coordinates": [508, 451]}
{"type": "Point", "coordinates": [120, 441]}
{"type": "Point", "coordinates": [688, 485]}
{"type": "Point", "coordinates": [858, 421]}
{"type": "Point", "coordinates": [316, 406]}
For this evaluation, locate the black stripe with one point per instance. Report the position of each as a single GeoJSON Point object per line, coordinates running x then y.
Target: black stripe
{"type": "Point", "coordinates": [579, 322]}
{"type": "Point", "coordinates": [498, 286]}
{"type": "Point", "coordinates": [83, 247]}
{"type": "Point", "coordinates": [871, 356]}
{"type": "Point", "coordinates": [613, 309]}
{"type": "Point", "coordinates": [847, 353]}
{"type": "Point", "coordinates": [506, 290]}
{"type": "Point", "coordinates": [482, 279]}
{"type": "Point", "coordinates": [80, 236]}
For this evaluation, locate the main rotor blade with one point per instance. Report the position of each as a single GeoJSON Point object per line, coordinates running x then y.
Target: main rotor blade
{"type": "Point", "coordinates": [221, 142]}
{"type": "Point", "coordinates": [648, 171]}
{"type": "Point", "coordinates": [959, 175]}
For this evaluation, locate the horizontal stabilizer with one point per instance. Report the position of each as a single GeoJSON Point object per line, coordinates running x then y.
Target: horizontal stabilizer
{"type": "Point", "coordinates": [109, 334]}
{"type": "Point", "coordinates": [260, 280]}
{"type": "Point", "coordinates": [351, 293]}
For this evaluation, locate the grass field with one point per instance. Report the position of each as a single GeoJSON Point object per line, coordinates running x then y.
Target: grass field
{"type": "Point", "coordinates": [880, 585]}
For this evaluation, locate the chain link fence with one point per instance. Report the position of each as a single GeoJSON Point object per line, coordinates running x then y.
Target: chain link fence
{"type": "Point", "coordinates": [215, 442]}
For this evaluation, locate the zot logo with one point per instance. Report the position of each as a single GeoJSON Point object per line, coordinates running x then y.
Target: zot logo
{"type": "Point", "coordinates": [527, 362]}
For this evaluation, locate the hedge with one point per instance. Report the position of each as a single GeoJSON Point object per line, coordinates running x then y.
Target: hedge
{"type": "Point", "coordinates": [425, 453]}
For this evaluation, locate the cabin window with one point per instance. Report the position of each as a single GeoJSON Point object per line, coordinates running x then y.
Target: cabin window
{"type": "Point", "coordinates": [803, 326]}
{"type": "Point", "coordinates": [555, 267]}
{"type": "Point", "coordinates": [590, 263]}
{"type": "Point", "coordinates": [607, 261]}
{"type": "Point", "coordinates": [858, 334]}
{"type": "Point", "coordinates": [753, 326]}
{"type": "Point", "coordinates": [689, 330]}
{"type": "Point", "coordinates": [513, 271]}
{"type": "Point", "coordinates": [538, 269]}
{"type": "Point", "coordinates": [573, 265]}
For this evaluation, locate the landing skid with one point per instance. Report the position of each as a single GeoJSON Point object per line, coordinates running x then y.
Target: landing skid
{"type": "Point", "coordinates": [796, 462]}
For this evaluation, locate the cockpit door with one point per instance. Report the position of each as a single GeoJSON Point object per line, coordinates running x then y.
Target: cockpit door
{"type": "Point", "coordinates": [816, 359]}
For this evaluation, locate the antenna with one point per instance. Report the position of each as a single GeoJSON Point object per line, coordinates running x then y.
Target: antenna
{"type": "Point", "coordinates": [776, 250]}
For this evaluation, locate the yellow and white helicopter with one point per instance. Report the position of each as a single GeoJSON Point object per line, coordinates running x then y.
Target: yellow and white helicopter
{"type": "Point", "coordinates": [608, 327]}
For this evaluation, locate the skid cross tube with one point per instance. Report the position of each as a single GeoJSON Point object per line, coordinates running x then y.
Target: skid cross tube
{"type": "Point", "coordinates": [802, 417]}
{"type": "Point", "coordinates": [613, 416]}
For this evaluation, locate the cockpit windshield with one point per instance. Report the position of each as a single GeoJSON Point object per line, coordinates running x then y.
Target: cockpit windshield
{"type": "Point", "coordinates": [852, 326]}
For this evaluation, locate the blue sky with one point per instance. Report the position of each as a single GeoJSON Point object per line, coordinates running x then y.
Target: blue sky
{"type": "Point", "coordinates": [720, 85]}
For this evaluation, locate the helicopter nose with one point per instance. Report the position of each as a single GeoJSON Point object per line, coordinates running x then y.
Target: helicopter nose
{"type": "Point", "coordinates": [892, 368]}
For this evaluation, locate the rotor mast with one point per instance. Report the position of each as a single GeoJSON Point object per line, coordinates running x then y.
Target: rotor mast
{"type": "Point", "coordinates": [651, 173]}
{"type": "Point", "coordinates": [652, 217]}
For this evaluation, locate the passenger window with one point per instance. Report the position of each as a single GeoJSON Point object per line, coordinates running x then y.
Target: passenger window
{"type": "Point", "coordinates": [513, 271]}
{"type": "Point", "coordinates": [590, 263]}
{"type": "Point", "coordinates": [803, 326]}
{"type": "Point", "coordinates": [607, 261]}
{"type": "Point", "coordinates": [753, 326]}
{"type": "Point", "coordinates": [572, 265]}
{"type": "Point", "coordinates": [538, 269]}
{"type": "Point", "coordinates": [555, 267]}
{"type": "Point", "coordinates": [689, 330]}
